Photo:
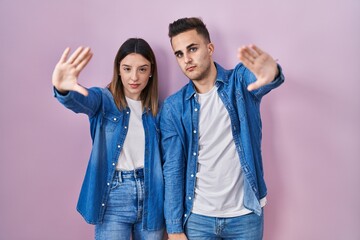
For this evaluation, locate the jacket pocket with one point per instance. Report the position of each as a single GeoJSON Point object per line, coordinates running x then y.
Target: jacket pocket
{"type": "Point", "coordinates": [110, 121]}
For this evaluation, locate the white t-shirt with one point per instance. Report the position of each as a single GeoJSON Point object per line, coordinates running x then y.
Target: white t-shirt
{"type": "Point", "coordinates": [132, 154]}
{"type": "Point", "coordinates": [219, 189]}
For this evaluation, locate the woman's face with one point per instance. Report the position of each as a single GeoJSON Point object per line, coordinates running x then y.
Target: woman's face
{"type": "Point", "coordinates": [135, 71]}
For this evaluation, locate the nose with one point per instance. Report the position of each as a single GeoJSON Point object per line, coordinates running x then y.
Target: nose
{"type": "Point", "coordinates": [134, 75]}
{"type": "Point", "coordinates": [187, 58]}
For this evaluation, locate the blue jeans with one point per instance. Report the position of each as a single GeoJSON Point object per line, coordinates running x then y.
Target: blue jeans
{"type": "Point", "coordinates": [246, 227]}
{"type": "Point", "coordinates": [123, 214]}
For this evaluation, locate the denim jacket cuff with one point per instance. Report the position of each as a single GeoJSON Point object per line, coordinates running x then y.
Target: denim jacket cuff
{"type": "Point", "coordinates": [174, 226]}
{"type": "Point", "coordinates": [278, 78]}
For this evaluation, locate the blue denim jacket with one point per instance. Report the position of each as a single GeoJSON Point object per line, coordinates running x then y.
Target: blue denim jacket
{"type": "Point", "coordinates": [179, 123]}
{"type": "Point", "coordinates": [108, 126]}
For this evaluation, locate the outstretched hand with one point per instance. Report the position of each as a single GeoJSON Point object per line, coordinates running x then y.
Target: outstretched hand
{"type": "Point", "coordinates": [67, 70]}
{"type": "Point", "coordinates": [260, 63]}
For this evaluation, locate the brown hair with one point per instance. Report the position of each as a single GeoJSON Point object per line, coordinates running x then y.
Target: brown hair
{"type": "Point", "coordinates": [149, 95]}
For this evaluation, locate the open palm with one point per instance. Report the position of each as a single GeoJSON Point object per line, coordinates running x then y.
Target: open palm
{"type": "Point", "coordinates": [260, 63]}
{"type": "Point", "coordinates": [67, 70]}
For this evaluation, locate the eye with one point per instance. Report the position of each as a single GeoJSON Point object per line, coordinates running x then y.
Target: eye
{"type": "Point", "coordinates": [126, 69]}
{"type": "Point", "coordinates": [179, 55]}
{"type": "Point", "coordinates": [193, 49]}
{"type": "Point", "coordinates": [142, 70]}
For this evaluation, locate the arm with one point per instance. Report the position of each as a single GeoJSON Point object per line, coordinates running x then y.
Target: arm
{"type": "Point", "coordinates": [174, 174]}
{"type": "Point", "coordinates": [79, 103]}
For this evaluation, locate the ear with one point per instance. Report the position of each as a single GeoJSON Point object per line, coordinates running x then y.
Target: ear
{"type": "Point", "coordinates": [211, 48]}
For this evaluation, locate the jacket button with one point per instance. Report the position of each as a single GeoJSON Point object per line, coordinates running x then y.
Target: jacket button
{"type": "Point", "coordinates": [103, 205]}
{"type": "Point", "coordinates": [196, 109]}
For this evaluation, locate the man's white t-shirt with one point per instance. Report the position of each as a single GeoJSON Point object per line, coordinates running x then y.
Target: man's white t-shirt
{"type": "Point", "coordinates": [219, 189]}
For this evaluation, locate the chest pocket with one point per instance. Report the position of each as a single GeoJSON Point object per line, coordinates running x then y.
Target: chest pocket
{"type": "Point", "coordinates": [110, 122]}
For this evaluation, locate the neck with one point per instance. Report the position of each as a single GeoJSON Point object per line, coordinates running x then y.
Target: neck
{"type": "Point", "coordinates": [207, 83]}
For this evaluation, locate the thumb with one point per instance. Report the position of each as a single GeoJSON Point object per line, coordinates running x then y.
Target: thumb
{"type": "Point", "coordinates": [81, 90]}
{"type": "Point", "coordinates": [253, 86]}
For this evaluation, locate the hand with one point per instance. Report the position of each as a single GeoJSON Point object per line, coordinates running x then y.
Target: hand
{"type": "Point", "coordinates": [177, 236]}
{"type": "Point", "coordinates": [261, 64]}
{"type": "Point", "coordinates": [67, 71]}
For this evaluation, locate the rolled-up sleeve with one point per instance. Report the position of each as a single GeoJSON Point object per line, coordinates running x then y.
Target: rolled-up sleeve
{"type": "Point", "coordinates": [79, 103]}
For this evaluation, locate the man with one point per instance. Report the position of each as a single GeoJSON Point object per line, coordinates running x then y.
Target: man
{"type": "Point", "coordinates": [211, 139]}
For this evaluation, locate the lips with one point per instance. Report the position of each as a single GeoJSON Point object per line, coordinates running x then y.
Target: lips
{"type": "Point", "coordinates": [134, 85]}
{"type": "Point", "coordinates": [190, 68]}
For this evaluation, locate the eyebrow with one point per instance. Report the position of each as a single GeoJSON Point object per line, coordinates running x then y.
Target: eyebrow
{"type": "Point", "coordinates": [187, 47]}
{"type": "Point", "coordinates": [125, 65]}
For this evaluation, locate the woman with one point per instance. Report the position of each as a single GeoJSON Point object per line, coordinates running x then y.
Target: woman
{"type": "Point", "coordinates": [122, 193]}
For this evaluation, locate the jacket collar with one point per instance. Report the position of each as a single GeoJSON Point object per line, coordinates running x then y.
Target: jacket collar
{"type": "Point", "coordinates": [221, 78]}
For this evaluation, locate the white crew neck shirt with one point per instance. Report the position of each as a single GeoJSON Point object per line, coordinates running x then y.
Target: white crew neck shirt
{"type": "Point", "coordinates": [219, 189]}
{"type": "Point", "coordinates": [132, 154]}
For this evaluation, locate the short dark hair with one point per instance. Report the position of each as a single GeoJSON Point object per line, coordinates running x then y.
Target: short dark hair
{"type": "Point", "coordinates": [185, 24]}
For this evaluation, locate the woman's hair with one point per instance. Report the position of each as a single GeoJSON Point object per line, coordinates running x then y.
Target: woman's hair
{"type": "Point", "coordinates": [149, 95]}
{"type": "Point", "coordinates": [186, 24]}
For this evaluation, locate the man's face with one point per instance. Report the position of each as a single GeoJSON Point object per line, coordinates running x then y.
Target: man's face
{"type": "Point", "coordinates": [193, 54]}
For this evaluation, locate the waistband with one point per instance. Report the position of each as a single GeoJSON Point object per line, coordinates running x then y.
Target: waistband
{"type": "Point", "coordinates": [133, 174]}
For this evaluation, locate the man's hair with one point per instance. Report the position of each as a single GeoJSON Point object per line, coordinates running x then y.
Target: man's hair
{"type": "Point", "coordinates": [186, 24]}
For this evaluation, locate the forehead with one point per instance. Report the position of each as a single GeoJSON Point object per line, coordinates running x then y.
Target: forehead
{"type": "Point", "coordinates": [181, 41]}
{"type": "Point", "coordinates": [134, 59]}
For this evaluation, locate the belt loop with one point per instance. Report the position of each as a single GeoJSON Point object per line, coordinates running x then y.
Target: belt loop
{"type": "Point", "coordinates": [120, 176]}
{"type": "Point", "coordinates": [135, 175]}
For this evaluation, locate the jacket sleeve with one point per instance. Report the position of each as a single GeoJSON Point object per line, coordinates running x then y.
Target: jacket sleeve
{"type": "Point", "coordinates": [79, 103]}
{"type": "Point", "coordinates": [174, 171]}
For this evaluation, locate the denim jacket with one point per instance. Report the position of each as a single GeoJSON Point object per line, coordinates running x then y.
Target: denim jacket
{"type": "Point", "coordinates": [179, 124]}
{"type": "Point", "coordinates": [108, 127]}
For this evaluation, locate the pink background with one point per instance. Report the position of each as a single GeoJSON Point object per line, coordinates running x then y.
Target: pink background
{"type": "Point", "coordinates": [311, 124]}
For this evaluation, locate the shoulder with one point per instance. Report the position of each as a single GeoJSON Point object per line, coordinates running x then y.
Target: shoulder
{"type": "Point", "coordinates": [104, 93]}
{"type": "Point", "coordinates": [176, 98]}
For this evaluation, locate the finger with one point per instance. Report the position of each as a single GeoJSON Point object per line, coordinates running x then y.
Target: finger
{"type": "Point", "coordinates": [75, 55]}
{"type": "Point", "coordinates": [256, 49]}
{"type": "Point", "coordinates": [248, 51]}
{"type": "Point", "coordinates": [245, 59]}
{"type": "Point", "coordinates": [253, 86]}
{"type": "Point", "coordinates": [81, 90]}
{"type": "Point", "coordinates": [246, 55]}
{"type": "Point", "coordinates": [248, 64]}
{"type": "Point", "coordinates": [83, 60]}
{"type": "Point", "coordinates": [64, 55]}
{"type": "Point", "coordinates": [83, 55]}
